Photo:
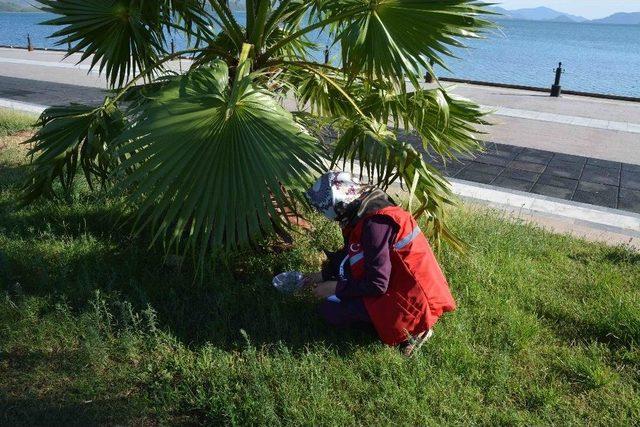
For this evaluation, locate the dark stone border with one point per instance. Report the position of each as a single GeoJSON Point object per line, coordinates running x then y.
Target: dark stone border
{"type": "Point", "coordinates": [41, 49]}
{"type": "Point", "coordinates": [581, 179]}
{"type": "Point", "coordinates": [541, 89]}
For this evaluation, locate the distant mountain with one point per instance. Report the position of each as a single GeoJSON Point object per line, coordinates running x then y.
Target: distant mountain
{"type": "Point", "coordinates": [620, 18]}
{"type": "Point", "coordinates": [538, 14]}
{"type": "Point", "coordinates": [564, 18]}
{"type": "Point", "coordinates": [14, 6]}
{"type": "Point", "coordinates": [546, 14]}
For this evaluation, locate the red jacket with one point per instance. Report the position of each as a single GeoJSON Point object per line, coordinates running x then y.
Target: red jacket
{"type": "Point", "coordinates": [418, 293]}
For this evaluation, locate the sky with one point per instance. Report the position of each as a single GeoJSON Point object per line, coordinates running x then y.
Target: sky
{"type": "Point", "coordinates": [591, 9]}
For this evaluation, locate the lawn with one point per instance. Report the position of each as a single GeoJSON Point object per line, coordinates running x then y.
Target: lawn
{"type": "Point", "coordinates": [98, 328]}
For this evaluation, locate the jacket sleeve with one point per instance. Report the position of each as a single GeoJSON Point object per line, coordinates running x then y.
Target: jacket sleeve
{"type": "Point", "coordinates": [377, 235]}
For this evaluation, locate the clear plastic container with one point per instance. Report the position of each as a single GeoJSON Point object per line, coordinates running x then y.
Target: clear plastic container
{"type": "Point", "coordinates": [288, 282]}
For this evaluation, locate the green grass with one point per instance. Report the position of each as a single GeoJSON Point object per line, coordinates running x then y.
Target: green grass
{"type": "Point", "coordinates": [96, 329]}
{"type": "Point", "coordinates": [12, 121]}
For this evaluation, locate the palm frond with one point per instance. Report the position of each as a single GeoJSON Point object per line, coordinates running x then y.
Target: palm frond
{"type": "Point", "coordinates": [446, 124]}
{"type": "Point", "coordinates": [212, 158]}
{"type": "Point", "coordinates": [213, 161]}
{"type": "Point", "coordinates": [397, 38]}
{"type": "Point", "coordinates": [72, 137]}
{"type": "Point", "coordinates": [120, 36]}
{"type": "Point", "coordinates": [370, 147]}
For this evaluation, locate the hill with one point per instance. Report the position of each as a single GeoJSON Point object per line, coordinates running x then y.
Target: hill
{"type": "Point", "coordinates": [550, 15]}
{"type": "Point", "coordinates": [12, 6]}
{"type": "Point", "coordinates": [620, 18]}
{"type": "Point", "coordinates": [537, 14]}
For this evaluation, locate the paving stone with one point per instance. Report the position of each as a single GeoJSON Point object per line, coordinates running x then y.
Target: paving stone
{"type": "Point", "coordinates": [604, 163]}
{"type": "Point", "coordinates": [527, 166]}
{"type": "Point", "coordinates": [557, 161]}
{"type": "Point", "coordinates": [435, 163]}
{"type": "Point", "coordinates": [483, 168]}
{"type": "Point", "coordinates": [629, 200]}
{"type": "Point", "coordinates": [508, 148]}
{"type": "Point", "coordinates": [533, 158]}
{"type": "Point", "coordinates": [502, 154]}
{"type": "Point", "coordinates": [410, 137]}
{"type": "Point", "coordinates": [565, 170]}
{"type": "Point", "coordinates": [548, 190]}
{"type": "Point", "coordinates": [630, 168]}
{"type": "Point", "coordinates": [597, 194]}
{"type": "Point", "coordinates": [453, 169]}
{"type": "Point", "coordinates": [467, 156]}
{"type": "Point", "coordinates": [475, 176]}
{"type": "Point", "coordinates": [569, 158]}
{"type": "Point", "coordinates": [493, 160]}
{"type": "Point", "coordinates": [558, 181]}
{"type": "Point", "coordinates": [598, 175]}
{"type": "Point", "coordinates": [514, 184]}
{"type": "Point", "coordinates": [538, 153]}
{"type": "Point", "coordinates": [520, 175]}
{"type": "Point", "coordinates": [630, 180]}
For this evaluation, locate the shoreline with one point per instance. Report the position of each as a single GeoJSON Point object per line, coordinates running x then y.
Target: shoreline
{"type": "Point", "coordinates": [451, 80]}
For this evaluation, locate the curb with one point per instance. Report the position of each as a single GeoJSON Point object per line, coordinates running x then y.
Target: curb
{"type": "Point", "coordinates": [22, 106]}
{"type": "Point", "coordinates": [597, 217]}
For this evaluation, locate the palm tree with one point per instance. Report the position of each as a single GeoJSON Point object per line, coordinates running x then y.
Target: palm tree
{"type": "Point", "coordinates": [211, 158]}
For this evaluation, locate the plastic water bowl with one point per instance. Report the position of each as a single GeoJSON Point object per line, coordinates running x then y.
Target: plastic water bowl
{"type": "Point", "coordinates": [288, 282]}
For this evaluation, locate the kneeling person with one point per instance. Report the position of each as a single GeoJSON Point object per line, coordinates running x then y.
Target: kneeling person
{"type": "Point", "coordinates": [387, 274]}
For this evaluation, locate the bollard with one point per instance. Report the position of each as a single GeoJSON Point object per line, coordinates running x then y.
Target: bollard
{"type": "Point", "coordinates": [556, 89]}
{"type": "Point", "coordinates": [428, 77]}
{"type": "Point", "coordinates": [29, 44]}
{"type": "Point", "coordinates": [326, 55]}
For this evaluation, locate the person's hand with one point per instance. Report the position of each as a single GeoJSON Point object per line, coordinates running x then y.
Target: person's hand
{"type": "Point", "coordinates": [325, 289]}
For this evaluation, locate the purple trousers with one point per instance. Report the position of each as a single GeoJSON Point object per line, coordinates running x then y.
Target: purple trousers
{"type": "Point", "coordinates": [346, 313]}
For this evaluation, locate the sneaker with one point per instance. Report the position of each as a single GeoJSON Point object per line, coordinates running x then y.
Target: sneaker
{"type": "Point", "coordinates": [413, 343]}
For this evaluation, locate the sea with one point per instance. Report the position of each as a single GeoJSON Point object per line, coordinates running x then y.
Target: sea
{"type": "Point", "coordinates": [596, 58]}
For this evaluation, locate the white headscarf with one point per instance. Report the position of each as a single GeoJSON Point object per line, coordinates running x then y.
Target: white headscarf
{"type": "Point", "coordinates": [334, 189]}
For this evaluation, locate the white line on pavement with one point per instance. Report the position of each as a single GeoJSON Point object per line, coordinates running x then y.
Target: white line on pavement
{"type": "Point", "coordinates": [560, 118]}
{"type": "Point", "coordinates": [51, 64]}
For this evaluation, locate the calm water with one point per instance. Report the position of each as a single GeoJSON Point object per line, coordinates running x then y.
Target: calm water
{"type": "Point", "coordinates": [597, 58]}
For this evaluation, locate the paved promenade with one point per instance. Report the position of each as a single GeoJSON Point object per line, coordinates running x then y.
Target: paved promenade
{"type": "Point", "coordinates": [598, 128]}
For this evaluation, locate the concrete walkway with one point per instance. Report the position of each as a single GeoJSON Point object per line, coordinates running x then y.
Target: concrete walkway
{"type": "Point", "coordinates": [574, 125]}
{"type": "Point", "coordinates": [590, 127]}
{"type": "Point", "coordinates": [564, 119]}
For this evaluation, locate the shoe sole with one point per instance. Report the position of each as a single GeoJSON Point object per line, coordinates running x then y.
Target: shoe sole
{"type": "Point", "coordinates": [420, 342]}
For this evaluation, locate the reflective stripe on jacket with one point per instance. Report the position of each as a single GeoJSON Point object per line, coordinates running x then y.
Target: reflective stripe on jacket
{"type": "Point", "coordinates": [418, 293]}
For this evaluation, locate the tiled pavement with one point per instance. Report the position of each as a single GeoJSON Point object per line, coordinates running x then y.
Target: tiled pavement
{"type": "Point", "coordinates": [581, 179]}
